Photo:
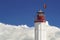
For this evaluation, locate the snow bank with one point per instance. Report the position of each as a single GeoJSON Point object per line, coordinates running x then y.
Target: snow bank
{"type": "Point", "coordinates": [24, 32]}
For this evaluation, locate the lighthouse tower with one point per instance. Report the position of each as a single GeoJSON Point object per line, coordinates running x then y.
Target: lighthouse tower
{"type": "Point", "coordinates": [40, 28]}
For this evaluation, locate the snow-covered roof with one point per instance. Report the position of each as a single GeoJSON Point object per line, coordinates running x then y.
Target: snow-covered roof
{"type": "Point", "coordinates": [40, 10]}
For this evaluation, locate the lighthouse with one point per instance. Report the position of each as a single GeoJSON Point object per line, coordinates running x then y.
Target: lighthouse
{"type": "Point", "coordinates": [40, 29]}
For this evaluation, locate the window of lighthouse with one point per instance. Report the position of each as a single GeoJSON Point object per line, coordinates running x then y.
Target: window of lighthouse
{"type": "Point", "coordinates": [41, 14]}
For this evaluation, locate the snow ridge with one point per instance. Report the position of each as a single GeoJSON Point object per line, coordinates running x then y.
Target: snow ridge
{"type": "Point", "coordinates": [24, 32]}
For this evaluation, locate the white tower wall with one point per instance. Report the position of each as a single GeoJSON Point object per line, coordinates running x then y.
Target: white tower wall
{"type": "Point", "coordinates": [40, 31]}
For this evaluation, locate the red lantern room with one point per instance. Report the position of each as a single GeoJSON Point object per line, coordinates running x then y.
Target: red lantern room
{"type": "Point", "coordinates": [40, 16]}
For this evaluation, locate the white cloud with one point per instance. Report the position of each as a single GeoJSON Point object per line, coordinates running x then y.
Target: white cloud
{"type": "Point", "coordinates": [24, 32]}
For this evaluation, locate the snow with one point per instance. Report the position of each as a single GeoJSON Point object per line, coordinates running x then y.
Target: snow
{"type": "Point", "coordinates": [24, 32]}
{"type": "Point", "coordinates": [40, 10]}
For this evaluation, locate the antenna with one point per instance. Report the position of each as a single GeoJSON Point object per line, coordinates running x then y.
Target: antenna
{"type": "Point", "coordinates": [43, 2]}
{"type": "Point", "coordinates": [44, 5]}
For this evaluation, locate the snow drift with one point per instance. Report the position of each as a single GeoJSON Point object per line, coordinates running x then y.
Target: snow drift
{"type": "Point", "coordinates": [24, 32]}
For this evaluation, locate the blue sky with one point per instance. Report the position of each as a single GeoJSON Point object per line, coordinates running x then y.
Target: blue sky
{"type": "Point", "coordinates": [18, 12]}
